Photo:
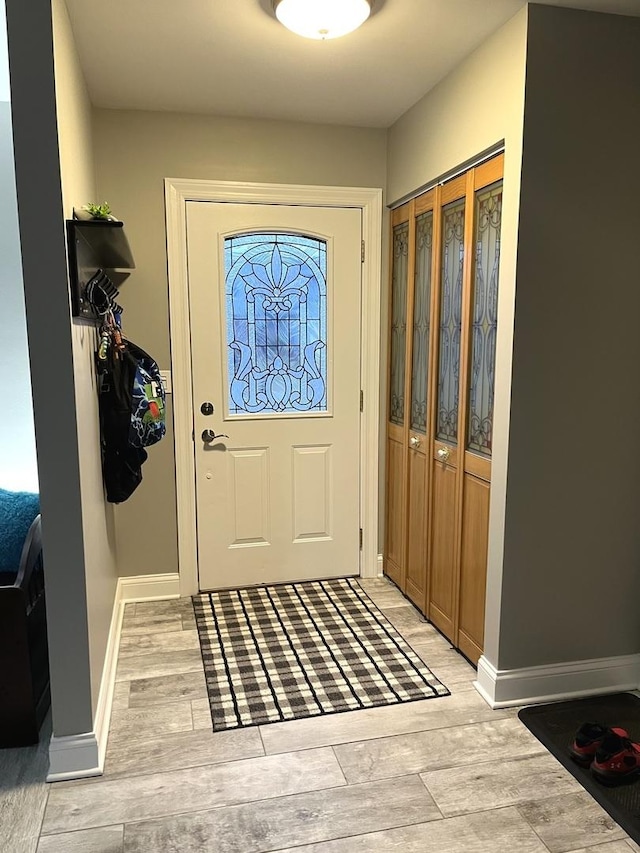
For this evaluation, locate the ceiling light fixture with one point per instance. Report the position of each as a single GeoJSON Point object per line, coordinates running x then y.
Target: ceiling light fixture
{"type": "Point", "coordinates": [322, 19]}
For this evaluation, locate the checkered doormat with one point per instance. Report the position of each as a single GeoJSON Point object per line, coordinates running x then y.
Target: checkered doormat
{"type": "Point", "coordinates": [276, 653]}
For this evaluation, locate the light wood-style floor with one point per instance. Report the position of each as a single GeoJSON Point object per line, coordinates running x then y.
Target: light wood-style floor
{"type": "Point", "coordinates": [446, 774]}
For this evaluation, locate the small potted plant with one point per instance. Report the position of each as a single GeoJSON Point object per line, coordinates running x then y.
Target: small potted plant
{"type": "Point", "coordinates": [95, 211]}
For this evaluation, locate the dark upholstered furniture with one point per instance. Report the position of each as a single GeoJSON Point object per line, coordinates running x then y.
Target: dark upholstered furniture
{"type": "Point", "coordinates": [24, 661]}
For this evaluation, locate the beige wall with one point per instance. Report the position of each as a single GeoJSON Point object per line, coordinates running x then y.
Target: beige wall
{"type": "Point", "coordinates": [134, 152]}
{"type": "Point", "coordinates": [479, 104]}
{"type": "Point", "coordinates": [78, 187]}
{"type": "Point", "coordinates": [572, 543]}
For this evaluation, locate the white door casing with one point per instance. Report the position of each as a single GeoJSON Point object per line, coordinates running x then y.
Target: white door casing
{"type": "Point", "coordinates": [178, 192]}
{"type": "Point", "coordinates": [274, 294]}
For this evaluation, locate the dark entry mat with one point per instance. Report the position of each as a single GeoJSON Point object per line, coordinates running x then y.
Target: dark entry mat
{"type": "Point", "coordinates": [555, 726]}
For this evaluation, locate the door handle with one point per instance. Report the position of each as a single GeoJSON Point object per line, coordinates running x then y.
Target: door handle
{"type": "Point", "coordinates": [444, 453]}
{"type": "Point", "coordinates": [414, 441]}
{"type": "Point", "coordinates": [210, 435]}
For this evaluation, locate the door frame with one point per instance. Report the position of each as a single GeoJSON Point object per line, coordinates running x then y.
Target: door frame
{"type": "Point", "coordinates": [179, 191]}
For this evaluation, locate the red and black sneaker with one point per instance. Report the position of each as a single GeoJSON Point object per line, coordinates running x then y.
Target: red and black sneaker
{"type": "Point", "coordinates": [587, 741]}
{"type": "Point", "coordinates": [617, 760]}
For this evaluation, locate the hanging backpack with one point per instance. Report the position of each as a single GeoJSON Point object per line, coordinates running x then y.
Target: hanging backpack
{"type": "Point", "coordinates": [132, 416]}
{"type": "Point", "coordinates": [147, 400]}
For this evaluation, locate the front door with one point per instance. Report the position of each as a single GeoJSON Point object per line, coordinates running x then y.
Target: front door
{"type": "Point", "coordinates": [274, 296]}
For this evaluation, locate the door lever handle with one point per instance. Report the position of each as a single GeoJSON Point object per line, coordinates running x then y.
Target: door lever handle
{"type": "Point", "coordinates": [210, 435]}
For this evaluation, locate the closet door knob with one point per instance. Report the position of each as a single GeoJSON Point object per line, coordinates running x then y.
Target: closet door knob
{"type": "Point", "coordinates": [443, 454]}
{"type": "Point", "coordinates": [414, 441]}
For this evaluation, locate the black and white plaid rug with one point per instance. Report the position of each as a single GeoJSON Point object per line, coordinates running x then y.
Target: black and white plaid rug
{"type": "Point", "coordinates": [283, 652]}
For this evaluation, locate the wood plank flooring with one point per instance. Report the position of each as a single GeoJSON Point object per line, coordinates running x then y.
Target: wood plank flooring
{"type": "Point", "coordinates": [445, 774]}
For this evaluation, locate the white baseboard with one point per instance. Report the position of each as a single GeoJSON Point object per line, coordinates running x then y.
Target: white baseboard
{"type": "Point", "coordinates": [149, 587]}
{"type": "Point", "coordinates": [74, 757]}
{"type": "Point", "coordinates": [380, 565]}
{"type": "Point", "coordinates": [108, 682]}
{"type": "Point", "coordinates": [553, 682]}
{"type": "Point", "coordinates": [82, 755]}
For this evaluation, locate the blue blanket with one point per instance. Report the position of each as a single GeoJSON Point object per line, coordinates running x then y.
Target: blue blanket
{"type": "Point", "coordinates": [17, 512]}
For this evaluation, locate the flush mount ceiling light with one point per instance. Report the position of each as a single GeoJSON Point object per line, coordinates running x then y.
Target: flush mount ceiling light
{"type": "Point", "coordinates": [322, 19]}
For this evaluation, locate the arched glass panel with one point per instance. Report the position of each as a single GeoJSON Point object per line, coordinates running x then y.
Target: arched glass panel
{"type": "Point", "coordinates": [398, 322]}
{"type": "Point", "coordinates": [485, 318]}
{"type": "Point", "coordinates": [276, 311]}
{"type": "Point", "coordinates": [421, 322]}
{"type": "Point", "coordinates": [450, 321]}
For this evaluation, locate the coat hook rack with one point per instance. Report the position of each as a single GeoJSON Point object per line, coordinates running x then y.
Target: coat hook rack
{"type": "Point", "coordinates": [99, 261]}
{"type": "Point", "coordinates": [101, 293]}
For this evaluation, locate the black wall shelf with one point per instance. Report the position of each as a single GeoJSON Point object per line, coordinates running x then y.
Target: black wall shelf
{"type": "Point", "coordinates": [95, 244]}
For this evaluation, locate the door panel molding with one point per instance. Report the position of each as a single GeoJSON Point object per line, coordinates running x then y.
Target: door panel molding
{"type": "Point", "coordinates": [479, 466]}
{"type": "Point", "coordinates": [178, 192]}
{"type": "Point", "coordinates": [313, 492]}
{"type": "Point", "coordinates": [488, 173]}
{"type": "Point", "coordinates": [248, 479]}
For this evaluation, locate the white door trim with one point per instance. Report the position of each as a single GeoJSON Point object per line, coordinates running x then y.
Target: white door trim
{"type": "Point", "coordinates": [178, 192]}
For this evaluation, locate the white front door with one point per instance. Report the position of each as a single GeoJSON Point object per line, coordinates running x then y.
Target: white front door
{"type": "Point", "coordinates": [275, 344]}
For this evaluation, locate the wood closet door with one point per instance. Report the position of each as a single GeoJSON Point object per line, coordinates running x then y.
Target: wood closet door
{"type": "Point", "coordinates": [443, 323]}
{"type": "Point", "coordinates": [479, 394]}
{"type": "Point", "coordinates": [421, 310]}
{"type": "Point", "coordinates": [445, 457]}
{"type": "Point", "coordinates": [395, 550]}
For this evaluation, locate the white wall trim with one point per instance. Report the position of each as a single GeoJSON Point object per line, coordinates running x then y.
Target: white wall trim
{"type": "Point", "coordinates": [80, 756]}
{"type": "Point", "coordinates": [380, 565]}
{"type": "Point", "coordinates": [74, 757]}
{"type": "Point", "coordinates": [369, 200]}
{"type": "Point", "coordinates": [553, 682]}
{"type": "Point", "coordinates": [107, 684]}
{"type": "Point", "coordinates": [149, 587]}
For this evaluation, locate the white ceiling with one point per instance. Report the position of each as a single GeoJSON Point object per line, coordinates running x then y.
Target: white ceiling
{"type": "Point", "coordinates": [232, 57]}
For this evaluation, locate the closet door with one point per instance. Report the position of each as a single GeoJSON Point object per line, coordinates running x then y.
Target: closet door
{"type": "Point", "coordinates": [479, 391]}
{"type": "Point", "coordinates": [443, 322]}
{"type": "Point", "coordinates": [420, 410]}
{"type": "Point", "coordinates": [445, 460]}
{"type": "Point", "coordinates": [402, 242]}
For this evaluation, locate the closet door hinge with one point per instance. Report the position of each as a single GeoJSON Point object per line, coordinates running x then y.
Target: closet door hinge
{"type": "Point", "coordinates": [362, 401]}
{"type": "Point", "coordinates": [362, 252]}
{"type": "Point", "coordinates": [361, 539]}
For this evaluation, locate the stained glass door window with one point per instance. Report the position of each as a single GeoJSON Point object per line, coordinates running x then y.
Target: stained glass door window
{"type": "Point", "coordinates": [276, 318]}
{"type": "Point", "coordinates": [421, 322]}
{"type": "Point", "coordinates": [485, 318]}
{"type": "Point", "coordinates": [398, 322]}
{"type": "Point", "coordinates": [450, 320]}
